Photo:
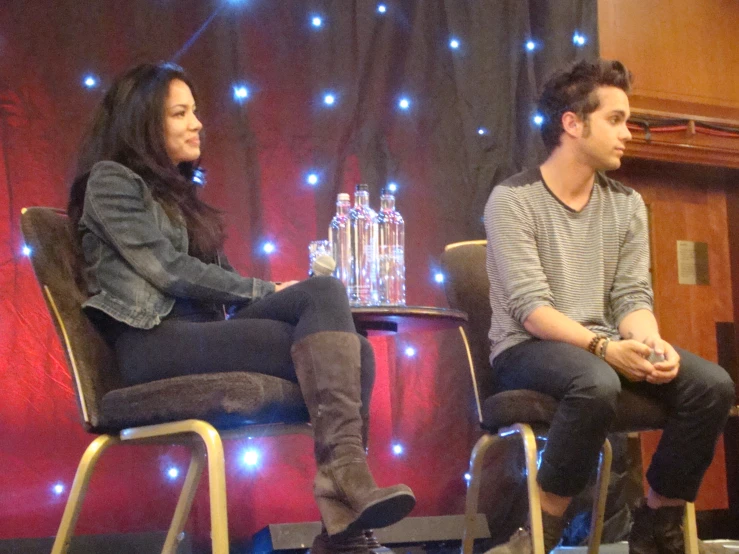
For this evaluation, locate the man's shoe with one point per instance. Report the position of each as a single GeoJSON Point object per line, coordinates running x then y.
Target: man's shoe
{"type": "Point", "coordinates": [658, 531]}
{"type": "Point", "coordinates": [521, 541]}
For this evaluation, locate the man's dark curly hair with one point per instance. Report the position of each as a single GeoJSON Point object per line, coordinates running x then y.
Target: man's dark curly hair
{"type": "Point", "coordinates": [575, 90]}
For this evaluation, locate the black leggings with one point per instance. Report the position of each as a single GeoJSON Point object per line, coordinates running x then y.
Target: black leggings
{"type": "Point", "coordinates": [256, 338]}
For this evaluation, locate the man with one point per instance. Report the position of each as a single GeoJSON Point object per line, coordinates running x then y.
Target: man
{"type": "Point", "coordinates": [568, 263]}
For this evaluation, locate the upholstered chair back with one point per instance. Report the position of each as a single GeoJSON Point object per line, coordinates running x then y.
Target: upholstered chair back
{"type": "Point", "coordinates": [467, 289]}
{"type": "Point", "coordinates": [47, 233]}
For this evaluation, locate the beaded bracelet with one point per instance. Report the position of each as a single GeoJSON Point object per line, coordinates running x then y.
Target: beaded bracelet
{"type": "Point", "coordinates": [594, 342]}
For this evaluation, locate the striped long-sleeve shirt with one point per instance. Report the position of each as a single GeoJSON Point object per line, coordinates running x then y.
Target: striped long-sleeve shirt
{"type": "Point", "coordinates": [591, 265]}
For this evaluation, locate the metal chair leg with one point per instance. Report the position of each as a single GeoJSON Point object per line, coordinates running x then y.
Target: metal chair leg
{"type": "Point", "coordinates": [690, 529]}
{"type": "Point", "coordinates": [78, 490]}
{"type": "Point", "coordinates": [216, 470]}
{"type": "Point", "coordinates": [184, 504]}
{"type": "Point", "coordinates": [217, 485]}
{"type": "Point", "coordinates": [529, 446]}
{"type": "Point", "coordinates": [599, 501]}
{"type": "Point", "coordinates": [473, 489]}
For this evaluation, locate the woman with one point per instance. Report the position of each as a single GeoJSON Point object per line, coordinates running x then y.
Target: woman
{"type": "Point", "coordinates": [159, 286]}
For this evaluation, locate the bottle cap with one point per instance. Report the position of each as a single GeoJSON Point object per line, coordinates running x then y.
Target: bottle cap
{"type": "Point", "coordinates": [362, 186]}
{"type": "Point", "coordinates": [342, 197]}
{"type": "Point", "coordinates": [385, 192]}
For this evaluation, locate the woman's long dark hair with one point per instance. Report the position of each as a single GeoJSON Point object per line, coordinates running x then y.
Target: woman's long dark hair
{"type": "Point", "coordinates": [128, 128]}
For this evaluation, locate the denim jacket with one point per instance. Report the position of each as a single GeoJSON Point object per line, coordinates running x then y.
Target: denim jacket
{"type": "Point", "coordinates": [136, 258]}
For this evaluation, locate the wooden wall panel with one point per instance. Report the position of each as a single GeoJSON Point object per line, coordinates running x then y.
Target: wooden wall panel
{"type": "Point", "coordinates": [684, 53]}
{"type": "Point", "coordinates": [688, 203]}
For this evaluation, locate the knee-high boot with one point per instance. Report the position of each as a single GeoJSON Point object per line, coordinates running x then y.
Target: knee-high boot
{"type": "Point", "coordinates": [327, 367]}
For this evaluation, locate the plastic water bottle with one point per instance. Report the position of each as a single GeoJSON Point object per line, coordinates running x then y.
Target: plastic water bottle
{"type": "Point", "coordinates": [339, 236]}
{"type": "Point", "coordinates": [375, 258]}
{"type": "Point", "coordinates": [391, 266]}
{"type": "Point", "coordinates": [362, 249]}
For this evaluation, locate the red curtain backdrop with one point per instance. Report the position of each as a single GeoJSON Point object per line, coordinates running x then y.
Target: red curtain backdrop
{"type": "Point", "coordinates": [467, 127]}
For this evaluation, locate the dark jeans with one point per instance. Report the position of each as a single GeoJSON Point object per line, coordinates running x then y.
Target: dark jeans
{"type": "Point", "coordinates": [698, 401]}
{"type": "Point", "coordinates": [256, 338]}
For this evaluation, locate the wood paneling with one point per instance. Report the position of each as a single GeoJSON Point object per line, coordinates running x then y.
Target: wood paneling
{"type": "Point", "coordinates": [732, 207]}
{"type": "Point", "coordinates": [684, 53]}
{"type": "Point", "coordinates": [688, 203]}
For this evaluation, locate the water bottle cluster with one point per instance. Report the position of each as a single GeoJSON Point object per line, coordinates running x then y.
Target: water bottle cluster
{"type": "Point", "coordinates": [369, 249]}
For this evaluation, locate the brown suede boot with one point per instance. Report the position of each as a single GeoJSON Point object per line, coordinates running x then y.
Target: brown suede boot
{"type": "Point", "coordinates": [658, 531]}
{"type": "Point", "coordinates": [327, 367]}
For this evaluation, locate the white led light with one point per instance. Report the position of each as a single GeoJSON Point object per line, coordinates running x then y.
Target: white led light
{"type": "Point", "coordinates": [173, 473]}
{"type": "Point", "coordinates": [381, 8]}
{"type": "Point", "coordinates": [251, 457]}
{"type": "Point", "coordinates": [439, 277]}
{"type": "Point", "coordinates": [316, 21]}
{"type": "Point", "coordinates": [58, 488]}
{"type": "Point", "coordinates": [482, 131]}
{"type": "Point", "coordinates": [312, 179]}
{"type": "Point", "coordinates": [538, 119]}
{"type": "Point", "coordinates": [329, 99]}
{"type": "Point", "coordinates": [90, 81]}
{"type": "Point", "coordinates": [26, 250]}
{"type": "Point", "coordinates": [240, 92]}
{"type": "Point", "coordinates": [530, 45]}
{"type": "Point", "coordinates": [268, 248]}
{"type": "Point", "coordinates": [410, 351]}
{"type": "Point", "coordinates": [454, 44]}
{"type": "Point", "coordinates": [392, 187]}
{"type": "Point", "coordinates": [578, 39]}
{"type": "Point", "coordinates": [404, 103]}
{"type": "Point", "coordinates": [397, 449]}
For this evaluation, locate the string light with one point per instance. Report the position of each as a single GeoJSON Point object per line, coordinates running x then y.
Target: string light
{"type": "Point", "coordinates": [578, 39]}
{"type": "Point", "coordinates": [381, 8]}
{"type": "Point", "coordinates": [329, 99]}
{"type": "Point", "coordinates": [538, 119]}
{"type": "Point", "coordinates": [404, 103]}
{"type": "Point", "coordinates": [482, 131]}
{"type": "Point", "coordinates": [397, 449]}
{"type": "Point", "coordinates": [268, 247]}
{"type": "Point", "coordinates": [316, 21]}
{"type": "Point", "coordinates": [392, 186]}
{"type": "Point", "coordinates": [26, 250]}
{"type": "Point", "coordinates": [250, 458]}
{"type": "Point", "coordinates": [410, 351]}
{"type": "Point", "coordinates": [173, 473]}
{"type": "Point", "coordinates": [439, 277]}
{"type": "Point", "coordinates": [454, 44]}
{"type": "Point", "coordinates": [57, 489]}
{"type": "Point", "coordinates": [90, 81]}
{"type": "Point", "coordinates": [241, 93]}
{"type": "Point", "coordinates": [530, 45]}
{"type": "Point", "coordinates": [312, 178]}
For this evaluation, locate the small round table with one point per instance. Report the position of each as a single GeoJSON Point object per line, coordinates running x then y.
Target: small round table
{"type": "Point", "coordinates": [402, 319]}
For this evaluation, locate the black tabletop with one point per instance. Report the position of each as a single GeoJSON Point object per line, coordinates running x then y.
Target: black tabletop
{"type": "Point", "coordinates": [402, 319]}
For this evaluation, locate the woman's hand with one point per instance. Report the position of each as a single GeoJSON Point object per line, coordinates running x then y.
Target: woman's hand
{"type": "Point", "coordinates": [284, 285]}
